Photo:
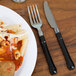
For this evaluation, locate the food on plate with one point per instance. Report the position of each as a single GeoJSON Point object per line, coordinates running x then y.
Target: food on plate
{"type": "Point", "coordinates": [1, 22]}
{"type": "Point", "coordinates": [13, 43]}
{"type": "Point", "coordinates": [7, 68]}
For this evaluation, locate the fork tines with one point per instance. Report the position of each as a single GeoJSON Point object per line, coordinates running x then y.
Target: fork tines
{"type": "Point", "coordinates": [34, 14]}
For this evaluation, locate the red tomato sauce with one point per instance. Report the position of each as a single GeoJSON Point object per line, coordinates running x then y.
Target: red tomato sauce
{"type": "Point", "coordinates": [9, 56]}
{"type": "Point", "coordinates": [18, 63]}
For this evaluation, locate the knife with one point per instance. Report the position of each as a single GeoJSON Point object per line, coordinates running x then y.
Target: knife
{"type": "Point", "coordinates": [53, 24]}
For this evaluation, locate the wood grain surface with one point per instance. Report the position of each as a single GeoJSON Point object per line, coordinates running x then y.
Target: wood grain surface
{"type": "Point", "coordinates": [64, 12]}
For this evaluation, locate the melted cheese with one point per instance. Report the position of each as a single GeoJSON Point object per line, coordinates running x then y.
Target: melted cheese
{"type": "Point", "coordinates": [20, 34]}
{"type": "Point", "coordinates": [3, 29]}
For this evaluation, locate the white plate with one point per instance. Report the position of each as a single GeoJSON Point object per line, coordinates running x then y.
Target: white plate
{"type": "Point", "coordinates": [11, 17]}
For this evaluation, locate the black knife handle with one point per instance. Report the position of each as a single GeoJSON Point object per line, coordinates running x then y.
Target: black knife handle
{"type": "Point", "coordinates": [51, 65]}
{"type": "Point", "coordinates": [68, 59]}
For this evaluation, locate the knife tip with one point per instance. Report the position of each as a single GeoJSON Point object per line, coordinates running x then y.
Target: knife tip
{"type": "Point", "coordinates": [45, 2]}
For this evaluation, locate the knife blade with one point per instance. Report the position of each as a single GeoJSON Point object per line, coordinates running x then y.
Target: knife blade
{"type": "Point", "coordinates": [52, 22]}
{"type": "Point", "coordinates": [50, 17]}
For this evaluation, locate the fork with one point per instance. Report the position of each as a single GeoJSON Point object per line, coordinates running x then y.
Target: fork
{"type": "Point", "coordinates": [36, 22]}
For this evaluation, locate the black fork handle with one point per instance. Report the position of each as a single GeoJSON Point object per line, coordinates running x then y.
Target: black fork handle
{"type": "Point", "coordinates": [50, 62]}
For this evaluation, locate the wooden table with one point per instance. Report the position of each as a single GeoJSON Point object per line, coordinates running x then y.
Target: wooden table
{"type": "Point", "coordinates": [65, 14]}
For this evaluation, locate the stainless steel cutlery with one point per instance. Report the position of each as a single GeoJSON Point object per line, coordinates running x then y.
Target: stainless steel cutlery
{"type": "Point", "coordinates": [53, 24]}
{"type": "Point", "coordinates": [36, 22]}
